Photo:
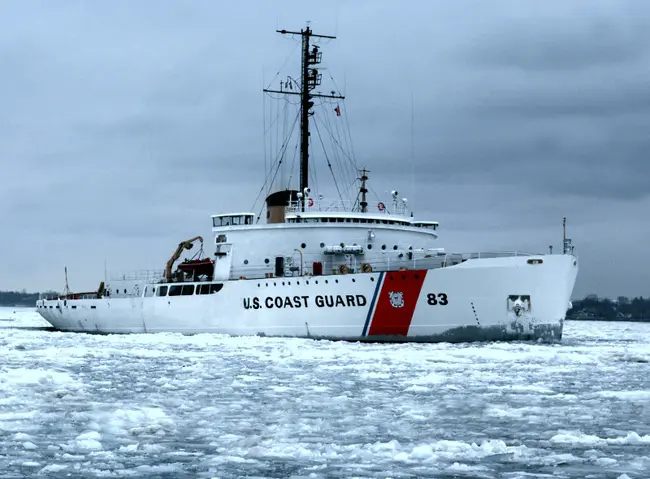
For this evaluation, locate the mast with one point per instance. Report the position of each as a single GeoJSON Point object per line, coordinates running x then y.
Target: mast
{"type": "Point", "coordinates": [310, 78]}
{"type": "Point", "coordinates": [364, 190]}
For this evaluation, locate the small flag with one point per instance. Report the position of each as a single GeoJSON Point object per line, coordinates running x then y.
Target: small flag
{"type": "Point", "coordinates": [337, 110]}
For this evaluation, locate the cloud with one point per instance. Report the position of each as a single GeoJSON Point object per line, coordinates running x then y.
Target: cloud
{"type": "Point", "coordinates": [124, 126]}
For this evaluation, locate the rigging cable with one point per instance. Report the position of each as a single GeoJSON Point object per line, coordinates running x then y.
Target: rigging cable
{"type": "Point", "coordinates": [349, 173]}
{"type": "Point", "coordinates": [313, 172]}
{"type": "Point", "coordinates": [328, 162]}
{"type": "Point", "coordinates": [352, 161]}
{"type": "Point", "coordinates": [279, 162]}
{"type": "Point", "coordinates": [266, 171]}
{"type": "Point", "coordinates": [285, 62]}
{"type": "Point", "coordinates": [347, 123]}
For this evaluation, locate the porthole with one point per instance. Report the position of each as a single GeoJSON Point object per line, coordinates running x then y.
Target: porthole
{"type": "Point", "coordinates": [372, 279]}
{"type": "Point", "coordinates": [303, 246]}
{"type": "Point", "coordinates": [266, 261]}
{"type": "Point", "coordinates": [245, 261]}
{"type": "Point", "coordinates": [394, 246]}
{"type": "Point", "coordinates": [322, 245]}
{"type": "Point", "coordinates": [336, 280]}
{"type": "Point", "coordinates": [354, 280]}
{"type": "Point", "coordinates": [326, 282]}
{"type": "Point", "coordinates": [383, 246]}
{"type": "Point", "coordinates": [369, 246]}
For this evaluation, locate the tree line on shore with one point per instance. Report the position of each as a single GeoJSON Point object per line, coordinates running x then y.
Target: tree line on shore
{"type": "Point", "coordinates": [604, 309]}
{"type": "Point", "coordinates": [19, 298]}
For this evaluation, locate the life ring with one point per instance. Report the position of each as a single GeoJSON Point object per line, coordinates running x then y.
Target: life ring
{"type": "Point", "coordinates": [343, 269]}
{"type": "Point", "coordinates": [381, 206]}
{"type": "Point", "coordinates": [366, 268]}
{"type": "Point", "coordinates": [310, 202]}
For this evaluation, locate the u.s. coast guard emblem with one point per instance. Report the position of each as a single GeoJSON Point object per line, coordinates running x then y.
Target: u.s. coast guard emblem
{"type": "Point", "coordinates": [396, 299]}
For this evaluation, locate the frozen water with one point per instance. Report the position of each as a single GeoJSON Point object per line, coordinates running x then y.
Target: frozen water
{"type": "Point", "coordinates": [167, 405]}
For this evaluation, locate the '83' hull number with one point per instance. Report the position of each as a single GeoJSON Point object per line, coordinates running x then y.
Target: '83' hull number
{"type": "Point", "coordinates": [437, 299]}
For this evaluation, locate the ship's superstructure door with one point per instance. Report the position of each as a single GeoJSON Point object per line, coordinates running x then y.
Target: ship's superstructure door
{"type": "Point", "coordinates": [222, 261]}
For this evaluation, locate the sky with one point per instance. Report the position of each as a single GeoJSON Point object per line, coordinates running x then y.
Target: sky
{"type": "Point", "coordinates": [125, 125]}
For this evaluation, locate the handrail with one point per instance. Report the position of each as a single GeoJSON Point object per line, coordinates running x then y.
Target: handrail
{"type": "Point", "coordinates": [138, 275]}
{"type": "Point", "coordinates": [386, 262]}
{"type": "Point", "coordinates": [345, 206]}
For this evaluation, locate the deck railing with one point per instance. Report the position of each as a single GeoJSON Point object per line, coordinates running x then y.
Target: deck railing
{"type": "Point", "coordinates": [355, 264]}
{"type": "Point", "coordinates": [343, 206]}
{"type": "Point", "coordinates": [149, 276]}
{"type": "Point", "coordinates": [296, 268]}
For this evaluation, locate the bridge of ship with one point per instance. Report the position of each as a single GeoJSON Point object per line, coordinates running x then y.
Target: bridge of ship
{"type": "Point", "coordinates": [352, 256]}
{"type": "Point", "coordinates": [300, 263]}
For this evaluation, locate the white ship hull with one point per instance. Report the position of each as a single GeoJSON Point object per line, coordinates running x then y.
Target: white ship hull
{"type": "Point", "coordinates": [513, 298]}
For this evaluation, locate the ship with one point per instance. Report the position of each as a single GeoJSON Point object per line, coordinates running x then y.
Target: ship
{"type": "Point", "coordinates": [311, 266]}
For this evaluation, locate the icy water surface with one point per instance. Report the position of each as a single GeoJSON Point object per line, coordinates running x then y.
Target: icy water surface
{"type": "Point", "coordinates": [166, 405]}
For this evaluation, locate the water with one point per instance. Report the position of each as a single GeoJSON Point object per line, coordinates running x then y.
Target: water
{"type": "Point", "coordinates": [167, 405]}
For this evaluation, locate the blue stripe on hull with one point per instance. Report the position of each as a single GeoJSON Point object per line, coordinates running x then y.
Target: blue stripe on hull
{"type": "Point", "coordinates": [371, 309]}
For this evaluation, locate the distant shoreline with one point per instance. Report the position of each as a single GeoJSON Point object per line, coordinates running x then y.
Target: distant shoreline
{"type": "Point", "coordinates": [626, 320]}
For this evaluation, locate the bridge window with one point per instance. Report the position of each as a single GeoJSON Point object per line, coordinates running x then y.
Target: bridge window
{"type": "Point", "coordinates": [162, 291]}
{"type": "Point", "coordinates": [188, 289]}
{"type": "Point", "coordinates": [429, 226]}
{"type": "Point", "coordinates": [234, 220]}
{"type": "Point", "coordinates": [209, 288]}
{"type": "Point", "coordinates": [175, 290]}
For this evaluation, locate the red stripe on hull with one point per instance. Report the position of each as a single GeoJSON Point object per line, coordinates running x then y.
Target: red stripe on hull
{"type": "Point", "coordinates": [396, 303]}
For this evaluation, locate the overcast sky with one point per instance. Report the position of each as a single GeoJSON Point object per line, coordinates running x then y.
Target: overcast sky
{"type": "Point", "coordinates": [125, 125]}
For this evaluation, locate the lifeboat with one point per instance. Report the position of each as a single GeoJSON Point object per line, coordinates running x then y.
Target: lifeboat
{"type": "Point", "coordinates": [197, 267]}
